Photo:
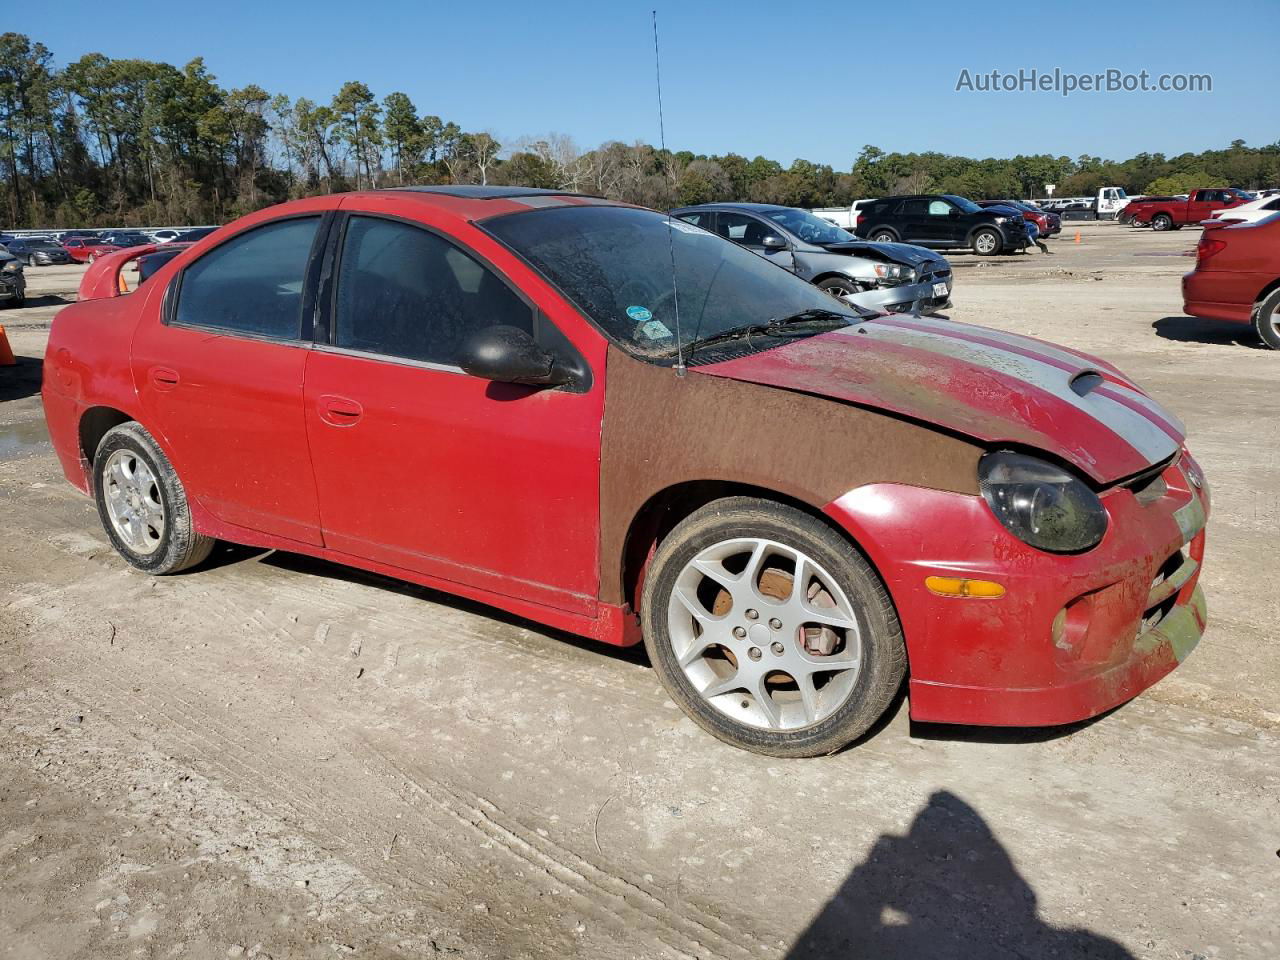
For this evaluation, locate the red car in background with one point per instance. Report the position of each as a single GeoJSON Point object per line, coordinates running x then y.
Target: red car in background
{"type": "Point", "coordinates": [1237, 277]}
{"type": "Point", "coordinates": [85, 249]}
{"type": "Point", "coordinates": [1049, 224]}
{"type": "Point", "coordinates": [485, 390]}
{"type": "Point", "coordinates": [1172, 213]}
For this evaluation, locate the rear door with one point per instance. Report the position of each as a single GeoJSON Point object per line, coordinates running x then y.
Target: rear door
{"type": "Point", "coordinates": [219, 373]}
{"type": "Point", "coordinates": [420, 465]}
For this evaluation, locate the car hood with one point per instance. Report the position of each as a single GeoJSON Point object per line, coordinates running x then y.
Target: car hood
{"type": "Point", "coordinates": [895, 252]}
{"type": "Point", "coordinates": [997, 388]}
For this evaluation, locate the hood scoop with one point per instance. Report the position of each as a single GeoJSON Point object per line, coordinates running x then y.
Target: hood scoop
{"type": "Point", "coordinates": [1085, 382]}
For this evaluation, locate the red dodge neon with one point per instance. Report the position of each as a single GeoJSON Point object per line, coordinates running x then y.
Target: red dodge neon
{"type": "Point", "coordinates": [1237, 276]}
{"type": "Point", "coordinates": [629, 428]}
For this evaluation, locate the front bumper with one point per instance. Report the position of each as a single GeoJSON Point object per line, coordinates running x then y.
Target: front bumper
{"type": "Point", "coordinates": [1127, 612]}
{"type": "Point", "coordinates": [921, 296]}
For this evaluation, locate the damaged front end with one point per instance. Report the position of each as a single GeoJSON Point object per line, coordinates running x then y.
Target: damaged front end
{"type": "Point", "coordinates": [895, 277]}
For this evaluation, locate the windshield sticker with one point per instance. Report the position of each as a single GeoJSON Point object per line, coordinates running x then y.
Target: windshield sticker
{"type": "Point", "coordinates": [639, 314]}
{"type": "Point", "coordinates": [684, 227]}
{"type": "Point", "coordinates": [655, 330]}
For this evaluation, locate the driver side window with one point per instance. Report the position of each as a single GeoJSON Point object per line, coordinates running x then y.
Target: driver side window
{"type": "Point", "coordinates": [742, 229]}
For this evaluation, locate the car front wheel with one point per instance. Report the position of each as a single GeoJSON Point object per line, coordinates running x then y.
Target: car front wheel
{"type": "Point", "coordinates": [143, 505]}
{"type": "Point", "coordinates": [986, 243]}
{"type": "Point", "coordinates": [840, 286]}
{"type": "Point", "coordinates": [884, 236]}
{"type": "Point", "coordinates": [1266, 320]}
{"type": "Point", "coordinates": [769, 630]}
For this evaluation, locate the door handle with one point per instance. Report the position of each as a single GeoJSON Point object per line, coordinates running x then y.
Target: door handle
{"type": "Point", "coordinates": [339, 411]}
{"type": "Point", "coordinates": [164, 378]}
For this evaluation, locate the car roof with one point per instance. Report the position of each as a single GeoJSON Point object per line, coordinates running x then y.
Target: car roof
{"type": "Point", "coordinates": [734, 205]}
{"type": "Point", "coordinates": [473, 191]}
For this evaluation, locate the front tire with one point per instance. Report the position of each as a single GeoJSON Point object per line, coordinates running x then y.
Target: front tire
{"type": "Point", "coordinates": [1266, 320]}
{"type": "Point", "coordinates": [769, 630]}
{"type": "Point", "coordinates": [840, 287]}
{"type": "Point", "coordinates": [884, 236]}
{"type": "Point", "coordinates": [986, 242]}
{"type": "Point", "coordinates": [142, 503]}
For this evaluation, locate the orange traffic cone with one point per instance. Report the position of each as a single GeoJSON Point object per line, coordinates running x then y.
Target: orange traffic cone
{"type": "Point", "coordinates": [7, 359]}
{"type": "Point", "coordinates": [1077, 236]}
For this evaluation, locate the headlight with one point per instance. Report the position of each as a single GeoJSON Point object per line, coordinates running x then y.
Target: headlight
{"type": "Point", "coordinates": [894, 271]}
{"type": "Point", "coordinates": [1041, 504]}
{"type": "Point", "coordinates": [12, 266]}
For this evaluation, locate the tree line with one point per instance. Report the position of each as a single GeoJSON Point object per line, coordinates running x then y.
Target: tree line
{"type": "Point", "coordinates": [131, 142]}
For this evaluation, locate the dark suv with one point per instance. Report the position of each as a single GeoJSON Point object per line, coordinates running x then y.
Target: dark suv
{"type": "Point", "coordinates": [942, 221]}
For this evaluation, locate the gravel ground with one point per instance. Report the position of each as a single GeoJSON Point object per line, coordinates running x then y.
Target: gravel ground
{"type": "Point", "coordinates": [278, 757]}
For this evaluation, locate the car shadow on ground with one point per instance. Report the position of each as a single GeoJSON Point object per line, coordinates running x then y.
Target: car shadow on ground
{"type": "Point", "coordinates": [946, 890]}
{"type": "Point", "coordinates": [1196, 330]}
{"type": "Point", "coordinates": [22, 380]}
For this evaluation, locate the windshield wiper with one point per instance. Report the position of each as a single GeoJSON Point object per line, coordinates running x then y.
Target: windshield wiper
{"type": "Point", "coordinates": [792, 324]}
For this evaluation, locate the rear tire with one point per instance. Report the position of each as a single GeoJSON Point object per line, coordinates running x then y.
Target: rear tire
{"type": "Point", "coordinates": [884, 236]}
{"type": "Point", "coordinates": [1266, 320]}
{"type": "Point", "coordinates": [1162, 221]}
{"type": "Point", "coordinates": [739, 649]}
{"type": "Point", "coordinates": [142, 503]}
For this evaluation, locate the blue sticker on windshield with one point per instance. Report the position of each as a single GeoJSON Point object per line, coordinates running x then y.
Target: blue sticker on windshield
{"type": "Point", "coordinates": [639, 314]}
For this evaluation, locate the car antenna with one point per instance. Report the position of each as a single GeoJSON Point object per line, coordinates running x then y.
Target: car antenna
{"type": "Point", "coordinates": [671, 245]}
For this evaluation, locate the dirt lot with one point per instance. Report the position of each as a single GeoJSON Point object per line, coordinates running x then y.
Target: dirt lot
{"type": "Point", "coordinates": [273, 756]}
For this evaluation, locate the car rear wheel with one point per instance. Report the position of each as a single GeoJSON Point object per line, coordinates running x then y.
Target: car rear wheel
{"type": "Point", "coordinates": [1266, 320]}
{"type": "Point", "coordinates": [884, 236]}
{"type": "Point", "coordinates": [1162, 221]}
{"type": "Point", "coordinates": [986, 242]}
{"type": "Point", "coordinates": [769, 630]}
{"type": "Point", "coordinates": [143, 505]}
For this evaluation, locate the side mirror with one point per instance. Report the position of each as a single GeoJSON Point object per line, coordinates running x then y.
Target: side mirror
{"type": "Point", "coordinates": [509, 355]}
{"type": "Point", "coordinates": [773, 242]}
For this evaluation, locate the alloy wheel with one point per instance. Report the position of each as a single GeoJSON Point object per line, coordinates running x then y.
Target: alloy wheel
{"type": "Point", "coordinates": [764, 634]}
{"type": "Point", "coordinates": [134, 503]}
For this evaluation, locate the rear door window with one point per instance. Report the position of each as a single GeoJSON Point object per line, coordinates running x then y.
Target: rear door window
{"type": "Point", "coordinates": [406, 292]}
{"type": "Point", "coordinates": [252, 284]}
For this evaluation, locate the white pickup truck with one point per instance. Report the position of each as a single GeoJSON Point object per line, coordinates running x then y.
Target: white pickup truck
{"type": "Point", "coordinates": [1106, 205]}
{"type": "Point", "coordinates": [843, 217]}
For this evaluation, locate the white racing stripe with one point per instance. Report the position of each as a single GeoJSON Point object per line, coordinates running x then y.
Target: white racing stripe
{"type": "Point", "coordinates": [1151, 442]}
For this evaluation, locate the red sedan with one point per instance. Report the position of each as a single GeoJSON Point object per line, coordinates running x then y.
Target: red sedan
{"type": "Point", "coordinates": [1237, 276]}
{"type": "Point", "coordinates": [623, 426]}
{"type": "Point", "coordinates": [86, 249]}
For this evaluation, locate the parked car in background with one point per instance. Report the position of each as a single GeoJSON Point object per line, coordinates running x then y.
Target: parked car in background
{"type": "Point", "coordinates": [86, 234]}
{"type": "Point", "coordinates": [167, 235]}
{"type": "Point", "coordinates": [876, 276]}
{"type": "Point", "coordinates": [84, 249]}
{"type": "Point", "coordinates": [37, 252]}
{"type": "Point", "coordinates": [1237, 276]}
{"type": "Point", "coordinates": [1048, 224]}
{"type": "Point", "coordinates": [942, 221]}
{"type": "Point", "coordinates": [1250, 212]}
{"type": "Point", "coordinates": [813, 499]}
{"type": "Point", "coordinates": [1163, 213]}
{"type": "Point", "coordinates": [123, 239]}
{"type": "Point", "coordinates": [13, 282]}
{"type": "Point", "coordinates": [196, 233]}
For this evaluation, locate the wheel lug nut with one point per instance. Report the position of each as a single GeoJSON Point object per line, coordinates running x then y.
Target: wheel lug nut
{"type": "Point", "coordinates": [777, 648]}
{"type": "Point", "coordinates": [739, 632]}
{"type": "Point", "coordinates": [775, 624]}
{"type": "Point", "coordinates": [753, 615]}
{"type": "Point", "coordinates": [754, 653]}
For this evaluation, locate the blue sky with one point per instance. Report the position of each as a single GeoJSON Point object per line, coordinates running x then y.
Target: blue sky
{"type": "Point", "coordinates": [783, 79]}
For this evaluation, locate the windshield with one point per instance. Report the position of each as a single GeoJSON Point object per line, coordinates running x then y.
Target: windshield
{"type": "Point", "coordinates": [968, 206]}
{"type": "Point", "coordinates": [809, 228]}
{"type": "Point", "coordinates": [615, 264]}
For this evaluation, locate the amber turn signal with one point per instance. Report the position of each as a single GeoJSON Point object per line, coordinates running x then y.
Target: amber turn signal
{"type": "Point", "coordinates": [960, 587]}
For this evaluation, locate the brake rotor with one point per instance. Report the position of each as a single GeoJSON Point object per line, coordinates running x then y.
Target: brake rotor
{"type": "Point", "coordinates": [819, 641]}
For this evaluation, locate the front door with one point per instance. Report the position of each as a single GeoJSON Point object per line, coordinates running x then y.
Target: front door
{"type": "Point", "coordinates": [420, 465]}
{"type": "Point", "coordinates": [219, 374]}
